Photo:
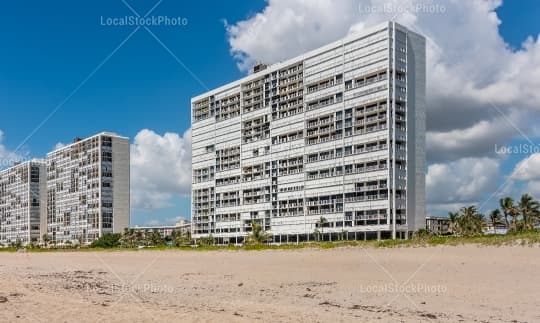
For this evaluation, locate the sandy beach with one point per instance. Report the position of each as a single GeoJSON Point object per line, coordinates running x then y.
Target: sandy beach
{"type": "Point", "coordinates": [430, 284]}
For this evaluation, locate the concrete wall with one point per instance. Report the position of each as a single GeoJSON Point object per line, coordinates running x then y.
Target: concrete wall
{"type": "Point", "coordinates": [121, 184]}
{"type": "Point", "coordinates": [416, 117]}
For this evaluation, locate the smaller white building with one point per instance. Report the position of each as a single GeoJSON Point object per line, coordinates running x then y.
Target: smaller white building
{"type": "Point", "coordinates": [495, 229]}
{"type": "Point", "coordinates": [22, 203]}
{"type": "Point", "coordinates": [88, 186]}
{"type": "Point", "coordinates": [438, 225]}
{"type": "Point", "coordinates": [166, 231]}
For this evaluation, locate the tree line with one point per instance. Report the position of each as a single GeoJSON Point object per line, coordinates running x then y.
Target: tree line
{"type": "Point", "coordinates": [515, 216]}
{"type": "Point", "coordinates": [132, 238]}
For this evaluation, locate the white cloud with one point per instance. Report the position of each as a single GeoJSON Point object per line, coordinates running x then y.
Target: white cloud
{"type": "Point", "coordinates": [160, 168]}
{"type": "Point", "coordinates": [153, 223]}
{"type": "Point", "coordinates": [474, 77]}
{"type": "Point", "coordinates": [165, 221]}
{"type": "Point", "coordinates": [176, 219]}
{"type": "Point", "coordinates": [528, 172]}
{"type": "Point", "coordinates": [59, 145]}
{"type": "Point", "coordinates": [287, 28]}
{"type": "Point", "coordinates": [7, 156]}
{"type": "Point", "coordinates": [480, 139]}
{"type": "Point", "coordinates": [533, 188]}
{"type": "Point", "coordinates": [442, 209]}
{"type": "Point", "coordinates": [528, 169]}
{"type": "Point", "coordinates": [460, 182]}
{"type": "Point", "coordinates": [479, 89]}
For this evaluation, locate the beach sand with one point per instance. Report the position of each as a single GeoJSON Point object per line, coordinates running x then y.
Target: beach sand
{"type": "Point", "coordinates": [424, 284]}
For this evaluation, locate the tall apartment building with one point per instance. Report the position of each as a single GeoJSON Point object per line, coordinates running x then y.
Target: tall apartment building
{"type": "Point", "coordinates": [88, 189]}
{"type": "Point", "coordinates": [337, 133]}
{"type": "Point", "coordinates": [22, 201]}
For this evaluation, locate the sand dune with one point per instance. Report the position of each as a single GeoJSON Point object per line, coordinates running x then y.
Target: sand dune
{"type": "Point", "coordinates": [436, 284]}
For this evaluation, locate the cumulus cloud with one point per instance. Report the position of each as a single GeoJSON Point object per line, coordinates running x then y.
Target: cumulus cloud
{"type": "Point", "coordinates": [460, 182]}
{"type": "Point", "coordinates": [7, 156]}
{"type": "Point", "coordinates": [478, 140]}
{"type": "Point", "coordinates": [481, 93]}
{"type": "Point", "coordinates": [153, 223]}
{"type": "Point", "coordinates": [160, 168]}
{"type": "Point", "coordinates": [528, 169]}
{"type": "Point", "coordinates": [533, 188]}
{"type": "Point", "coordinates": [288, 28]}
{"type": "Point", "coordinates": [477, 85]}
{"type": "Point", "coordinates": [59, 145]}
{"type": "Point", "coordinates": [166, 221]}
{"type": "Point", "coordinates": [177, 219]}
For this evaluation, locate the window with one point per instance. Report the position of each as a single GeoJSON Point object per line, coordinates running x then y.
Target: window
{"type": "Point", "coordinates": [107, 220]}
{"type": "Point", "coordinates": [106, 141]}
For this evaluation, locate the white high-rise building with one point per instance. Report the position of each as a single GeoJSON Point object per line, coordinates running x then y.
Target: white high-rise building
{"type": "Point", "coordinates": [22, 201]}
{"type": "Point", "coordinates": [328, 144]}
{"type": "Point", "coordinates": [88, 189]}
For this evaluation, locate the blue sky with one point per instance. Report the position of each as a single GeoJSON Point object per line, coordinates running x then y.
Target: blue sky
{"type": "Point", "coordinates": [49, 48]}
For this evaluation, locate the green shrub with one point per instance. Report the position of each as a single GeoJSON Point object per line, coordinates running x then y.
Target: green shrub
{"type": "Point", "coordinates": [422, 234]}
{"type": "Point", "coordinates": [108, 240]}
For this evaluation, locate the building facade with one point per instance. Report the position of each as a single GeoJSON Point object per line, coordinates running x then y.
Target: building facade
{"type": "Point", "coordinates": [88, 186]}
{"type": "Point", "coordinates": [329, 143]}
{"type": "Point", "coordinates": [165, 231]}
{"type": "Point", "coordinates": [438, 225]}
{"type": "Point", "coordinates": [22, 201]}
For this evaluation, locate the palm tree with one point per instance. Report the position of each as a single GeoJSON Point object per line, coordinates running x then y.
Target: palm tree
{"type": "Point", "coordinates": [320, 223]}
{"type": "Point", "coordinates": [124, 239]}
{"type": "Point", "coordinates": [139, 237]}
{"type": "Point", "coordinates": [468, 222]}
{"type": "Point", "coordinates": [155, 238]}
{"type": "Point", "coordinates": [128, 238]}
{"type": "Point", "coordinates": [317, 234]}
{"type": "Point", "coordinates": [181, 238]}
{"type": "Point", "coordinates": [46, 239]}
{"type": "Point", "coordinates": [495, 218]}
{"type": "Point", "coordinates": [80, 240]}
{"type": "Point", "coordinates": [207, 241]}
{"type": "Point", "coordinates": [258, 235]}
{"type": "Point", "coordinates": [454, 222]}
{"type": "Point", "coordinates": [529, 209]}
{"type": "Point", "coordinates": [509, 210]}
{"type": "Point", "coordinates": [472, 220]}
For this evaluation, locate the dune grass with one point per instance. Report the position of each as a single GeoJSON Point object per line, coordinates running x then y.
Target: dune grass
{"type": "Point", "coordinates": [528, 238]}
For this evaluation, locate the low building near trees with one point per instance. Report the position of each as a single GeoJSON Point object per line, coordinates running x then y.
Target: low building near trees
{"type": "Point", "coordinates": [183, 226]}
{"type": "Point", "coordinates": [438, 225]}
{"type": "Point", "coordinates": [495, 229]}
